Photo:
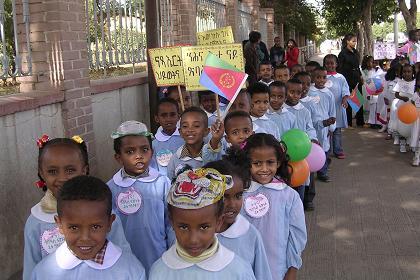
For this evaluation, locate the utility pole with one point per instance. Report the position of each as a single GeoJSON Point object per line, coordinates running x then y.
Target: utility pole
{"type": "Point", "coordinates": [396, 28]}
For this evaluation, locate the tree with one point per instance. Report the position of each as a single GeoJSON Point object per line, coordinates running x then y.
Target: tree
{"type": "Point", "coordinates": [410, 15]}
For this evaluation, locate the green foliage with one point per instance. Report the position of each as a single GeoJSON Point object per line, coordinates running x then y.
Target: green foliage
{"type": "Point", "coordinates": [380, 30]}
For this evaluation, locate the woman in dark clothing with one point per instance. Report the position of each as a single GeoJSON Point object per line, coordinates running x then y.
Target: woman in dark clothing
{"type": "Point", "coordinates": [348, 66]}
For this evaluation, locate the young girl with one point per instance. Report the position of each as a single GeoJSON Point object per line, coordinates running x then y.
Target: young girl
{"type": "Point", "coordinates": [236, 233]}
{"type": "Point", "coordinates": [195, 204]}
{"type": "Point", "coordinates": [415, 131]}
{"type": "Point", "coordinates": [337, 84]}
{"type": "Point", "coordinates": [273, 207]}
{"type": "Point", "coordinates": [369, 71]}
{"type": "Point", "coordinates": [404, 91]}
{"type": "Point", "coordinates": [59, 160]}
{"type": "Point", "coordinates": [386, 98]}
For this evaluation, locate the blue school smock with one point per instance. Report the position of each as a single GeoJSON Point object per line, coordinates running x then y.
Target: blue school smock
{"type": "Point", "coordinates": [224, 264]}
{"type": "Point", "coordinates": [265, 125]}
{"type": "Point", "coordinates": [244, 240]}
{"type": "Point", "coordinates": [303, 119]}
{"type": "Point", "coordinates": [164, 147]}
{"type": "Point", "coordinates": [63, 265]}
{"type": "Point", "coordinates": [284, 120]}
{"type": "Point", "coordinates": [141, 205]}
{"type": "Point", "coordinates": [42, 238]}
{"type": "Point", "coordinates": [339, 88]}
{"type": "Point", "coordinates": [177, 163]}
{"type": "Point", "coordinates": [276, 210]}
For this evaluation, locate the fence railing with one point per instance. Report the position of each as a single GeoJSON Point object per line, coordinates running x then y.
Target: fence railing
{"type": "Point", "coordinates": [245, 21]}
{"type": "Point", "coordinates": [11, 48]}
{"type": "Point", "coordinates": [306, 53]}
{"type": "Point", "coordinates": [165, 23]}
{"type": "Point", "coordinates": [116, 32]}
{"type": "Point", "coordinates": [211, 14]}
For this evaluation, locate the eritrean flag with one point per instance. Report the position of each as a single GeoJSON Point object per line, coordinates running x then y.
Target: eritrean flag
{"type": "Point", "coordinates": [355, 99]}
{"type": "Point", "coordinates": [221, 77]}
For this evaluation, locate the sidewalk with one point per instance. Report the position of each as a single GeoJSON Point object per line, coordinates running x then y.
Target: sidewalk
{"type": "Point", "coordinates": [366, 224]}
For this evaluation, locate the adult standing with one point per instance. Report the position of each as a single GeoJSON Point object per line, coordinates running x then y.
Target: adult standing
{"type": "Point", "coordinates": [277, 53]}
{"type": "Point", "coordinates": [252, 60]}
{"type": "Point", "coordinates": [292, 53]}
{"type": "Point", "coordinates": [349, 67]}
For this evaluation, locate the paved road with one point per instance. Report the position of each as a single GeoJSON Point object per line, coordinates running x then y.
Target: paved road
{"type": "Point", "coordinates": [366, 224]}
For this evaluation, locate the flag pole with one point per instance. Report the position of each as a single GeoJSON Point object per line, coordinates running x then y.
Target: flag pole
{"type": "Point", "coordinates": [217, 106]}
{"type": "Point", "coordinates": [181, 98]}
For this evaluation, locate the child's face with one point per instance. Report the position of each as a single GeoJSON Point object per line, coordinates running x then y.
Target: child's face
{"type": "Point", "coordinates": [259, 104]}
{"type": "Point", "coordinates": [306, 84]}
{"type": "Point", "coordinates": [330, 64]}
{"type": "Point", "coordinates": [195, 229]}
{"type": "Point", "coordinates": [309, 68]}
{"type": "Point", "coordinates": [294, 92]}
{"type": "Point", "coordinates": [407, 74]}
{"type": "Point", "coordinates": [59, 164]}
{"type": "Point", "coordinates": [135, 154]}
{"type": "Point", "coordinates": [233, 201]}
{"type": "Point", "coordinates": [296, 70]}
{"type": "Point", "coordinates": [370, 64]}
{"type": "Point", "coordinates": [320, 78]}
{"type": "Point", "coordinates": [209, 102]}
{"type": "Point", "coordinates": [277, 97]}
{"type": "Point", "coordinates": [281, 75]}
{"type": "Point", "coordinates": [167, 116]}
{"type": "Point", "coordinates": [264, 164]}
{"type": "Point", "coordinates": [265, 72]}
{"type": "Point", "coordinates": [238, 130]}
{"type": "Point", "coordinates": [192, 128]}
{"type": "Point", "coordinates": [85, 225]}
{"type": "Point", "coordinates": [241, 103]}
{"type": "Point", "coordinates": [186, 98]}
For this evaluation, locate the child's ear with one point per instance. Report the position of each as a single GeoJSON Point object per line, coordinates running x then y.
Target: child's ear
{"type": "Point", "coordinates": [85, 170]}
{"type": "Point", "coordinates": [111, 220]}
{"type": "Point", "coordinates": [118, 158]}
{"type": "Point", "coordinates": [156, 119]}
{"type": "Point", "coordinates": [59, 224]}
{"type": "Point", "coordinates": [219, 223]}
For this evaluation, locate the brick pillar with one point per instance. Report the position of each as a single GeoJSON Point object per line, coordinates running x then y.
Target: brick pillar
{"type": "Point", "coordinates": [280, 33]}
{"type": "Point", "coordinates": [254, 5]}
{"type": "Point", "coordinates": [232, 18]}
{"type": "Point", "coordinates": [270, 25]}
{"type": "Point", "coordinates": [184, 13]}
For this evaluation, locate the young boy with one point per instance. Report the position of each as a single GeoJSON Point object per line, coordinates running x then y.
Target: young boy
{"type": "Point", "coordinates": [209, 105]}
{"type": "Point", "coordinates": [259, 107]}
{"type": "Point", "coordinates": [281, 73]}
{"type": "Point", "coordinates": [138, 191]}
{"type": "Point", "coordinates": [172, 92]}
{"type": "Point", "coordinates": [266, 73]}
{"type": "Point", "coordinates": [284, 119]}
{"type": "Point", "coordinates": [311, 66]}
{"type": "Point", "coordinates": [237, 127]}
{"type": "Point", "coordinates": [242, 102]}
{"type": "Point", "coordinates": [84, 217]}
{"type": "Point", "coordinates": [295, 69]}
{"type": "Point", "coordinates": [324, 99]}
{"type": "Point", "coordinates": [193, 129]}
{"type": "Point", "coordinates": [167, 139]}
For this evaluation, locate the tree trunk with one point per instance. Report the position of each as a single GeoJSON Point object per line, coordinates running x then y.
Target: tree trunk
{"type": "Point", "coordinates": [410, 15]}
{"type": "Point", "coordinates": [367, 24]}
{"type": "Point", "coordinates": [360, 39]}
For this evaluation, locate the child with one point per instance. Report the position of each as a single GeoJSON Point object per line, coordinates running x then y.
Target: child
{"type": "Point", "coordinates": [172, 92]}
{"type": "Point", "coordinates": [341, 92]}
{"type": "Point", "coordinates": [236, 231]}
{"type": "Point", "coordinates": [259, 106]}
{"type": "Point", "coordinates": [138, 194]}
{"type": "Point", "coordinates": [281, 73]}
{"type": "Point", "coordinates": [266, 72]}
{"type": "Point", "coordinates": [415, 131]}
{"type": "Point", "coordinates": [209, 104]}
{"type": "Point", "coordinates": [59, 160]}
{"type": "Point", "coordinates": [193, 129]}
{"type": "Point", "coordinates": [237, 126]}
{"type": "Point", "coordinates": [195, 204]}
{"type": "Point", "coordinates": [273, 207]}
{"type": "Point", "coordinates": [370, 71]}
{"type": "Point", "coordinates": [326, 112]}
{"type": "Point", "coordinates": [404, 90]}
{"type": "Point", "coordinates": [84, 217]}
{"type": "Point", "coordinates": [295, 69]}
{"type": "Point", "coordinates": [386, 99]}
{"type": "Point", "coordinates": [284, 119]}
{"type": "Point", "coordinates": [167, 139]}
{"type": "Point", "coordinates": [242, 102]}
{"type": "Point", "coordinates": [311, 66]}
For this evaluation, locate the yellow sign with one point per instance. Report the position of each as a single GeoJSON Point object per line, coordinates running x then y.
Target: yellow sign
{"type": "Point", "coordinates": [167, 66]}
{"type": "Point", "coordinates": [218, 36]}
{"type": "Point", "coordinates": [193, 60]}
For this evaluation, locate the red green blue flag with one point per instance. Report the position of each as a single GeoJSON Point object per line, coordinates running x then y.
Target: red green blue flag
{"type": "Point", "coordinates": [355, 99]}
{"type": "Point", "coordinates": [221, 77]}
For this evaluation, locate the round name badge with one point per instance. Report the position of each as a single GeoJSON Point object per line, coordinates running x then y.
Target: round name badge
{"type": "Point", "coordinates": [257, 206]}
{"type": "Point", "coordinates": [51, 240]}
{"type": "Point", "coordinates": [129, 202]}
{"type": "Point", "coordinates": [328, 84]}
{"type": "Point", "coordinates": [163, 157]}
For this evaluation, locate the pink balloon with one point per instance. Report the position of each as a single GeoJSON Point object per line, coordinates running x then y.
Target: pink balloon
{"type": "Point", "coordinates": [316, 158]}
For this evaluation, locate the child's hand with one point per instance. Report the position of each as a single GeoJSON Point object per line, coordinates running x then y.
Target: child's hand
{"type": "Point", "coordinates": [315, 141]}
{"type": "Point", "coordinates": [368, 97]}
{"type": "Point", "coordinates": [217, 132]}
{"type": "Point", "coordinates": [405, 99]}
{"type": "Point", "coordinates": [332, 120]}
{"type": "Point", "coordinates": [344, 102]}
{"type": "Point", "coordinates": [326, 122]}
{"type": "Point", "coordinates": [386, 100]}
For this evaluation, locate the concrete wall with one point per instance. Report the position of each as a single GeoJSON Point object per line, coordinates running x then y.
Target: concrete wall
{"type": "Point", "coordinates": [18, 172]}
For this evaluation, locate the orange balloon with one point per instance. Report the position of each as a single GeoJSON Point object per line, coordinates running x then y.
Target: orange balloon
{"type": "Point", "coordinates": [407, 113]}
{"type": "Point", "coordinates": [299, 171]}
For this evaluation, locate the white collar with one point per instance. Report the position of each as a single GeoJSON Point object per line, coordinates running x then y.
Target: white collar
{"type": "Point", "coordinates": [265, 83]}
{"type": "Point", "coordinates": [298, 106]}
{"type": "Point", "coordinates": [238, 228]}
{"type": "Point", "coordinates": [161, 137]}
{"type": "Point", "coordinates": [306, 99]}
{"type": "Point", "coordinates": [37, 212]}
{"type": "Point", "coordinates": [275, 185]}
{"type": "Point", "coordinates": [209, 115]}
{"type": "Point", "coordinates": [222, 258]}
{"type": "Point", "coordinates": [66, 260]}
{"type": "Point", "coordinates": [336, 75]}
{"type": "Point", "coordinates": [263, 117]}
{"type": "Point", "coordinates": [313, 88]}
{"type": "Point", "coordinates": [127, 181]}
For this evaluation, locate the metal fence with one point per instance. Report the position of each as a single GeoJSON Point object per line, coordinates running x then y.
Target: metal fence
{"type": "Point", "coordinates": [245, 21]}
{"type": "Point", "coordinates": [306, 53]}
{"type": "Point", "coordinates": [211, 14]}
{"type": "Point", "coordinates": [116, 32]}
{"type": "Point", "coordinates": [11, 49]}
{"type": "Point", "coordinates": [165, 23]}
{"type": "Point", "coordinates": [262, 24]}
